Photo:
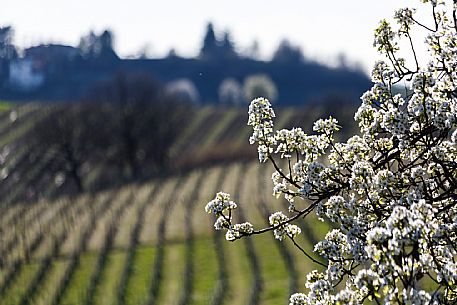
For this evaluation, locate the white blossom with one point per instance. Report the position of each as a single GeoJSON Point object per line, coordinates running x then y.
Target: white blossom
{"type": "Point", "coordinates": [389, 191]}
{"type": "Point", "coordinates": [219, 204]}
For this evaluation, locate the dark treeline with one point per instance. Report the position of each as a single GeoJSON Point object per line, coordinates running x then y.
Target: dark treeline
{"type": "Point", "coordinates": [123, 129]}
{"type": "Point", "coordinates": [66, 73]}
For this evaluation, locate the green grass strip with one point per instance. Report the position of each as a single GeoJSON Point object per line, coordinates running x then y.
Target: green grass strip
{"type": "Point", "coordinates": [239, 275]}
{"type": "Point", "coordinates": [4, 106]}
{"type": "Point", "coordinates": [173, 270]}
{"type": "Point", "coordinates": [205, 271]}
{"type": "Point", "coordinates": [106, 292]}
{"type": "Point", "coordinates": [274, 272]}
{"type": "Point", "coordinates": [75, 293]}
{"type": "Point", "coordinates": [138, 284]}
{"type": "Point", "coordinates": [13, 294]}
{"type": "Point", "coordinates": [48, 287]}
{"type": "Point", "coordinates": [5, 271]}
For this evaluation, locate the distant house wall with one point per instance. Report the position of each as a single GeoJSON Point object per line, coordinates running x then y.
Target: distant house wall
{"type": "Point", "coordinates": [23, 76]}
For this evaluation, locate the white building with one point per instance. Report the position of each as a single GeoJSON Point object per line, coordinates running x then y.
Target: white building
{"type": "Point", "coordinates": [23, 76]}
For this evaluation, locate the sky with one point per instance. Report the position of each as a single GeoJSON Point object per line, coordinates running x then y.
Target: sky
{"type": "Point", "coordinates": [323, 29]}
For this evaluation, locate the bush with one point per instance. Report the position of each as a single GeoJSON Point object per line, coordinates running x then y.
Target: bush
{"type": "Point", "coordinates": [259, 85]}
{"type": "Point", "coordinates": [390, 192]}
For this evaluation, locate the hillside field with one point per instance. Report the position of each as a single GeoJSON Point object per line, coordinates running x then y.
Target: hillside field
{"type": "Point", "coordinates": [148, 242]}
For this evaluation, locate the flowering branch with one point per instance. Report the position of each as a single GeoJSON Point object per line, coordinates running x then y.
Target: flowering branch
{"type": "Point", "coordinates": [389, 192]}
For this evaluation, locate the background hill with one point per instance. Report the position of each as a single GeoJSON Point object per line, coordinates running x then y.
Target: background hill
{"type": "Point", "coordinates": [54, 72]}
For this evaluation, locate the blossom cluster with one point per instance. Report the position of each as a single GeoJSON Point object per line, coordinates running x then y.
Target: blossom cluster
{"type": "Point", "coordinates": [390, 192]}
{"type": "Point", "coordinates": [221, 206]}
{"type": "Point", "coordinates": [283, 228]}
{"type": "Point", "coordinates": [261, 119]}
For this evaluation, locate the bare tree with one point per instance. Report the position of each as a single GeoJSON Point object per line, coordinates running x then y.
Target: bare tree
{"type": "Point", "coordinates": [72, 133]}
{"type": "Point", "coordinates": [125, 128]}
{"type": "Point", "coordinates": [143, 122]}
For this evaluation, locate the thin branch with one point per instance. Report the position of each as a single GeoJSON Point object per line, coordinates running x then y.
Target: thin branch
{"type": "Point", "coordinates": [422, 25]}
{"type": "Point", "coordinates": [307, 255]}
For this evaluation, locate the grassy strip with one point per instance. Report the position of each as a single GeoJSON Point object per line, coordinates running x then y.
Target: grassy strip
{"type": "Point", "coordinates": [57, 232]}
{"type": "Point", "coordinates": [17, 115]}
{"type": "Point", "coordinates": [21, 153]}
{"type": "Point", "coordinates": [9, 277]}
{"type": "Point", "coordinates": [189, 133]}
{"type": "Point", "coordinates": [138, 284]}
{"type": "Point", "coordinates": [154, 210]}
{"type": "Point", "coordinates": [4, 271]}
{"type": "Point", "coordinates": [206, 269]}
{"type": "Point", "coordinates": [12, 238]}
{"type": "Point", "coordinates": [18, 222]}
{"type": "Point", "coordinates": [28, 177]}
{"type": "Point", "coordinates": [4, 106]}
{"type": "Point", "coordinates": [45, 268]}
{"type": "Point", "coordinates": [76, 292]}
{"type": "Point", "coordinates": [65, 280]}
{"type": "Point", "coordinates": [15, 271]}
{"type": "Point", "coordinates": [101, 207]}
{"type": "Point", "coordinates": [257, 283]}
{"type": "Point", "coordinates": [30, 295]}
{"type": "Point", "coordinates": [23, 114]}
{"type": "Point", "coordinates": [96, 277]}
{"type": "Point", "coordinates": [223, 124]}
{"type": "Point", "coordinates": [204, 131]}
{"type": "Point", "coordinates": [22, 159]}
{"type": "Point", "coordinates": [189, 254]}
{"type": "Point", "coordinates": [239, 278]}
{"type": "Point", "coordinates": [48, 286]}
{"type": "Point", "coordinates": [32, 175]}
{"type": "Point", "coordinates": [44, 229]}
{"type": "Point", "coordinates": [47, 218]}
{"type": "Point", "coordinates": [160, 251]}
{"type": "Point", "coordinates": [134, 280]}
{"type": "Point", "coordinates": [35, 281]}
{"type": "Point", "coordinates": [102, 266]}
{"type": "Point", "coordinates": [133, 244]}
{"type": "Point", "coordinates": [20, 131]}
{"type": "Point", "coordinates": [80, 278]}
{"type": "Point", "coordinates": [12, 295]}
{"type": "Point", "coordinates": [276, 278]}
{"type": "Point", "coordinates": [110, 276]}
{"type": "Point", "coordinates": [234, 127]}
{"type": "Point", "coordinates": [6, 215]}
{"type": "Point", "coordinates": [172, 280]}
